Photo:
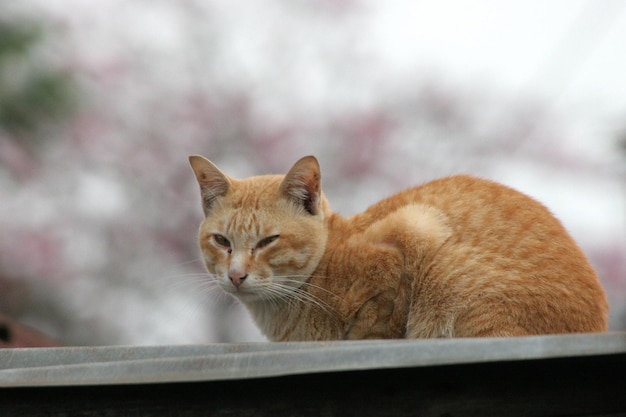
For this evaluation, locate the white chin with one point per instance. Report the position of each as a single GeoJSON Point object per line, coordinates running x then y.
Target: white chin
{"type": "Point", "coordinates": [248, 298]}
{"type": "Point", "coordinates": [243, 294]}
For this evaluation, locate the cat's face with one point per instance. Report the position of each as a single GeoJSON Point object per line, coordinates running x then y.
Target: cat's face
{"type": "Point", "coordinates": [262, 236]}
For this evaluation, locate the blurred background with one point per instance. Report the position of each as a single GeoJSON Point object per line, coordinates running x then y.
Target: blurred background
{"type": "Point", "coordinates": [102, 102]}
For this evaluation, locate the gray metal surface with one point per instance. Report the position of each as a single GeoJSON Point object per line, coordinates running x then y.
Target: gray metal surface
{"type": "Point", "coordinates": [42, 367]}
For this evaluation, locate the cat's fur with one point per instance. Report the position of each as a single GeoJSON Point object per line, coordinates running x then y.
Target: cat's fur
{"type": "Point", "coordinates": [456, 257]}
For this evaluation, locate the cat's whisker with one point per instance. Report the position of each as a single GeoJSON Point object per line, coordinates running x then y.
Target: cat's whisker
{"type": "Point", "coordinates": [301, 294]}
{"type": "Point", "coordinates": [201, 284]}
{"type": "Point", "coordinates": [298, 294]}
{"type": "Point", "coordinates": [273, 297]}
{"type": "Point", "coordinates": [190, 262]}
{"type": "Point", "coordinates": [302, 283]}
{"type": "Point", "coordinates": [277, 293]}
{"type": "Point", "coordinates": [191, 281]}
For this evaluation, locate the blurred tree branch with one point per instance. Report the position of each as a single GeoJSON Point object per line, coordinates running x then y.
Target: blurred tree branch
{"type": "Point", "coordinates": [31, 93]}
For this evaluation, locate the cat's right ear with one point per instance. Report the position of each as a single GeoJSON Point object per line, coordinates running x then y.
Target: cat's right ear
{"type": "Point", "coordinates": [213, 182]}
{"type": "Point", "coordinates": [303, 184]}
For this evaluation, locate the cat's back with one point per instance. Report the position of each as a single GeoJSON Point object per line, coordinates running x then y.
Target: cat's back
{"type": "Point", "coordinates": [503, 246]}
{"type": "Point", "coordinates": [490, 216]}
{"type": "Point", "coordinates": [474, 208]}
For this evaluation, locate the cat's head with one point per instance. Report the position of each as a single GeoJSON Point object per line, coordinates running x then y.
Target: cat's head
{"type": "Point", "coordinates": [262, 237]}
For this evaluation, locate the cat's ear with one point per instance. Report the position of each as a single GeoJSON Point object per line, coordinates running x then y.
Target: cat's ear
{"type": "Point", "coordinates": [213, 182]}
{"type": "Point", "coordinates": [303, 184]}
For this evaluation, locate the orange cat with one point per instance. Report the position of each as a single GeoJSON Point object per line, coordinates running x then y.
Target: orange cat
{"type": "Point", "coordinates": [456, 257]}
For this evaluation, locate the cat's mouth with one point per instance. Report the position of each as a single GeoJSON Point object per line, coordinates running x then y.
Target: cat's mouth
{"type": "Point", "coordinates": [256, 289]}
{"type": "Point", "coordinates": [245, 292]}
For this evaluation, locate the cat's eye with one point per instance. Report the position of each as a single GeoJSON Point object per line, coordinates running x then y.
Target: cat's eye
{"type": "Point", "coordinates": [221, 240]}
{"type": "Point", "coordinates": [264, 242]}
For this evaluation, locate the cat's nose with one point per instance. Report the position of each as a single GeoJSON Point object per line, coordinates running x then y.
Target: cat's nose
{"type": "Point", "coordinates": [237, 277]}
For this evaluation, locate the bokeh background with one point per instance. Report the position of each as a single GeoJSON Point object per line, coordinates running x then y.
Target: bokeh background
{"type": "Point", "coordinates": [102, 102]}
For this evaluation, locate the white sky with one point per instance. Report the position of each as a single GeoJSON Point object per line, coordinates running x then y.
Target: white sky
{"type": "Point", "coordinates": [565, 49]}
{"type": "Point", "coordinates": [571, 53]}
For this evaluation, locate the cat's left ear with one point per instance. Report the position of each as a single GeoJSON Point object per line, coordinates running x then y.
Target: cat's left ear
{"type": "Point", "coordinates": [303, 184]}
{"type": "Point", "coordinates": [213, 182]}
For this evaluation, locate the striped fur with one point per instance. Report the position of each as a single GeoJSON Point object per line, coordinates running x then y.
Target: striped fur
{"type": "Point", "coordinates": [456, 257]}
